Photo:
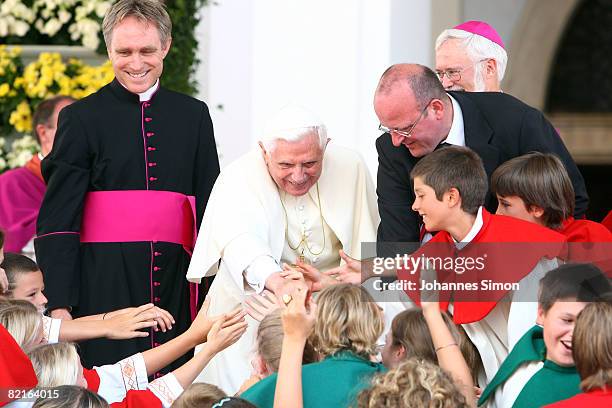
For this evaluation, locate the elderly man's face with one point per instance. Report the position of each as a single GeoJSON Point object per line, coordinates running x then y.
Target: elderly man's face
{"type": "Point", "coordinates": [452, 59]}
{"type": "Point", "coordinates": [137, 54]}
{"type": "Point", "coordinates": [296, 166]}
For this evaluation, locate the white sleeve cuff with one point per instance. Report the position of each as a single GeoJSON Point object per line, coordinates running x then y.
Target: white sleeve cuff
{"type": "Point", "coordinates": [260, 264]}
{"type": "Point", "coordinates": [167, 389]}
{"type": "Point", "coordinates": [51, 329]}
{"type": "Point", "coordinates": [259, 270]}
{"type": "Point", "coordinates": [54, 331]}
{"type": "Point", "coordinates": [119, 378]}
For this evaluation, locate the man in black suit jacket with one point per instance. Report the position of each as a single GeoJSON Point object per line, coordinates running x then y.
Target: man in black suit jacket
{"type": "Point", "coordinates": [417, 116]}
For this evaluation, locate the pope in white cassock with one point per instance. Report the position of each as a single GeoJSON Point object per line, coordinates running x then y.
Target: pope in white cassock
{"type": "Point", "coordinates": [293, 196]}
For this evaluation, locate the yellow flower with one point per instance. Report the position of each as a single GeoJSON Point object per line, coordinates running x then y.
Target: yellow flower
{"type": "Point", "coordinates": [46, 77]}
{"type": "Point", "coordinates": [65, 85]}
{"type": "Point", "coordinates": [21, 118]}
{"type": "Point", "coordinates": [4, 90]}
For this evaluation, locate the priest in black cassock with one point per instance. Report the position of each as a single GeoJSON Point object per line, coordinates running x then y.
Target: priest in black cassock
{"type": "Point", "coordinates": [127, 183]}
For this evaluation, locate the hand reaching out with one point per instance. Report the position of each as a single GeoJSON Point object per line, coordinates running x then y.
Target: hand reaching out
{"type": "Point", "coordinates": [203, 323]}
{"type": "Point", "coordinates": [163, 318]}
{"type": "Point", "coordinates": [291, 278]}
{"type": "Point", "coordinates": [350, 272]}
{"type": "Point", "coordinates": [298, 316]}
{"type": "Point", "coordinates": [317, 280]}
{"type": "Point", "coordinates": [128, 325]}
{"type": "Point", "coordinates": [298, 319]}
{"type": "Point", "coordinates": [222, 336]}
{"type": "Point", "coordinates": [258, 306]}
{"type": "Point", "coordinates": [429, 298]}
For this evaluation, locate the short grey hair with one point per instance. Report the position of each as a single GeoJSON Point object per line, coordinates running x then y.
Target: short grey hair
{"type": "Point", "coordinates": [292, 124]}
{"type": "Point", "coordinates": [477, 47]}
{"type": "Point", "coordinates": [152, 11]}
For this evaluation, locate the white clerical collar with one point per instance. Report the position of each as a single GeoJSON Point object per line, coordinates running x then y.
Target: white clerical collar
{"type": "Point", "coordinates": [312, 193]}
{"type": "Point", "coordinates": [456, 135]}
{"type": "Point", "coordinates": [146, 95]}
{"type": "Point", "coordinates": [476, 227]}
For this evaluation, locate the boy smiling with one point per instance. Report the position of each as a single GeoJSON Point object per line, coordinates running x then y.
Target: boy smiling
{"type": "Point", "coordinates": [540, 369]}
{"type": "Point", "coordinates": [450, 186]}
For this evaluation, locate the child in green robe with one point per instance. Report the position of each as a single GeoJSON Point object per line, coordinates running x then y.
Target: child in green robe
{"type": "Point", "coordinates": [540, 368]}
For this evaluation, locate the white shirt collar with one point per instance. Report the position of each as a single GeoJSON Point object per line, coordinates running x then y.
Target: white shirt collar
{"type": "Point", "coordinates": [456, 135]}
{"type": "Point", "coordinates": [146, 95]}
{"type": "Point", "coordinates": [476, 227]}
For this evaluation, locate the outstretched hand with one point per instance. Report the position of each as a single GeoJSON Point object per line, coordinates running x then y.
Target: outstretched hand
{"type": "Point", "coordinates": [350, 272]}
{"type": "Point", "coordinates": [259, 306]}
{"type": "Point", "coordinates": [298, 316]}
{"type": "Point", "coordinates": [316, 279]}
{"type": "Point", "coordinates": [163, 318]}
{"type": "Point", "coordinates": [222, 334]}
{"type": "Point", "coordinates": [203, 323]}
{"type": "Point", "coordinates": [430, 302]}
{"type": "Point", "coordinates": [129, 324]}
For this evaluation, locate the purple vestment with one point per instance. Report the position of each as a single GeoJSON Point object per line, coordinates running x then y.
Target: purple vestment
{"type": "Point", "coordinates": [21, 194]}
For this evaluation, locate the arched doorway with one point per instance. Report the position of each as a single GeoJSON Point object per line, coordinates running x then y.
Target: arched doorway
{"type": "Point", "coordinates": [579, 97]}
{"type": "Point", "coordinates": [559, 53]}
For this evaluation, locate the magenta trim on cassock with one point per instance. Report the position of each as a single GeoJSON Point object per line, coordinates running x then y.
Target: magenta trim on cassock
{"type": "Point", "coordinates": [139, 215]}
{"type": "Point", "coordinates": [151, 330]}
{"type": "Point", "coordinates": [144, 142]}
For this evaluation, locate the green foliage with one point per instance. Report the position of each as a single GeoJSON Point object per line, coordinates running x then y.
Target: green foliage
{"type": "Point", "coordinates": [181, 62]}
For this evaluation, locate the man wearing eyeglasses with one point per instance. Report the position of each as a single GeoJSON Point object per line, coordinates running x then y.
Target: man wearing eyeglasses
{"type": "Point", "coordinates": [417, 116]}
{"type": "Point", "coordinates": [471, 57]}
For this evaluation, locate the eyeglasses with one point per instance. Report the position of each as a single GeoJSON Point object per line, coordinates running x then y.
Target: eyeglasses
{"type": "Point", "coordinates": [405, 133]}
{"type": "Point", "coordinates": [454, 75]}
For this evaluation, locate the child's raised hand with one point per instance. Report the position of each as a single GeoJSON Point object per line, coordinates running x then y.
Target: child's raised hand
{"type": "Point", "coordinates": [316, 279]}
{"type": "Point", "coordinates": [163, 318]}
{"type": "Point", "coordinates": [350, 272]}
{"type": "Point", "coordinates": [128, 325]}
{"type": "Point", "coordinates": [222, 336]}
{"type": "Point", "coordinates": [258, 306]}
{"type": "Point", "coordinates": [203, 323]}
{"type": "Point", "coordinates": [429, 298]}
{"type": "Point", "coordinates": [298, 317]}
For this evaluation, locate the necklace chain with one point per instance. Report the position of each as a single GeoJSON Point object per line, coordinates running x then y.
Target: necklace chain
{"type": "Point", "coordinates": [304, 239]}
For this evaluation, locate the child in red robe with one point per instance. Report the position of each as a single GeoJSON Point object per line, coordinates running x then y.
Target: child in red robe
{"type": "Point", "coordinates": [487, 265]}
{"type": "Point", "coordinates": [536, 187]}
{"type": "Point", "coordinates": [16, 372]}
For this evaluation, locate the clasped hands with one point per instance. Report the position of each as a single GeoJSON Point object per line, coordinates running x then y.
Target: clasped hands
{"type": "Point", "coordinates": [300, 276]}
{"type": "Point", "coordinates": [349, 272]}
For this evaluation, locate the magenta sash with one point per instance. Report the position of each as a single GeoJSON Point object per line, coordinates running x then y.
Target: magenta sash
{"type": "Point", "coordinates": [139, 215]}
